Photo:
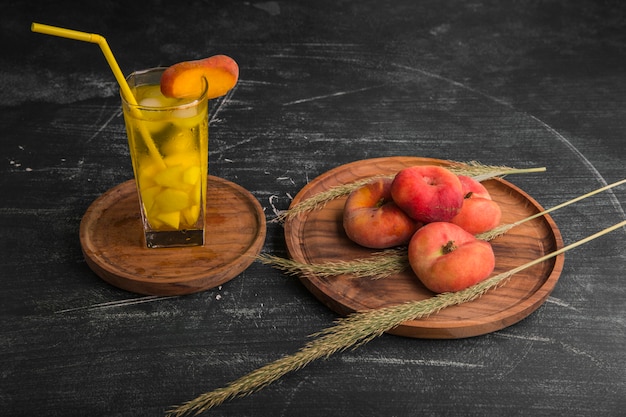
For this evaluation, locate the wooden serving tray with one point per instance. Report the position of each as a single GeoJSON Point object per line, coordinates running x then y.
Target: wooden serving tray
{"type": "Point", "coordinates": [317, 237]}
{"type": "Point", "coordinates": [113, 243]}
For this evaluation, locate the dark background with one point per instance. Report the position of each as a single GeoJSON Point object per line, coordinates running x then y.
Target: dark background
{"type": "Point", "coordinates": [525, 83]}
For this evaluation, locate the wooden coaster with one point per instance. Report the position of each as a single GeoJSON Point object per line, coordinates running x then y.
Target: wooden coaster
{"type": "Point", "coordinates": [113, 243]}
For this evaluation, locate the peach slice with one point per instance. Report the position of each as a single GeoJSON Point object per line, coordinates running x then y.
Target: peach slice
{"type": "Point", "coordinates": [185, 78]}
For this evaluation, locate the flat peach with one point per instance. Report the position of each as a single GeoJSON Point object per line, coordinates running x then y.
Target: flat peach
{"type": "Point", "coordinates": [473, 188]}
{"type": "Point", "coordinates": [373, 220]}
{"type": "Point", "coordinates": [478, 215]}
{"type": "Point", "coordinates": [427, 193]}
{"type": "Point", "coordinates": [446, 258]}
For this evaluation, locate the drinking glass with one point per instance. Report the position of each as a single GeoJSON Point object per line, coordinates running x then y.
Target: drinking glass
{"type": "Point", "coordinates": [168, 140]}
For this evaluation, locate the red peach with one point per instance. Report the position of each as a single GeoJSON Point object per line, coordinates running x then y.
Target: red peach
{"type": "Point", "coordinates": [470, 185]}
{"type": "Point", "coordinates": [428, 193]}
{"type": "Point", "coordinates": [479, 213]}
{"type": "Point", "coordinates": [373, 220]}
{"type": "Point", "coordinates": [446, 258]}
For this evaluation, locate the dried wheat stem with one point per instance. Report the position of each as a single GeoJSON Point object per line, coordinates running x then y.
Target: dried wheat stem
{"type": "Point", "coordinates": [474, 169]}
{"type": "Point", "coordinates": [355, 330]}
{"type": "Point", "coordinates": [502, 229]}
{"type": "Point", "coordinates": [378, 265]}
{"type": "Point", "coordinates": [392, 261]}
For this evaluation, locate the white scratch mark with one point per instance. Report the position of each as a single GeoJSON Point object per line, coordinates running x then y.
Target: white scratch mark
{"type": "Point", "coordinates": [103, 126]}
{"type": "Point", "coordinates": [119, 303]}
{"type": "Point", "coordinates": [560, 303]}
{"type": "Point", "coordinates": [585, 162]}
{"type": "Point", "coordinates": [222, 103]}
{"type": "Point", "coordinates": [276, 211]}
{"type": "Point", "coordinates": [337, 94]}
{"type": "Point", "coordinates": [524, 337]}
{"type": "Point", "coordinates": [550, 129]}
{"type": "Point", "coordinates": [286, 179]}
{"type": "Point", "coordinates": [271, 7]}
{"type": "Point", "coordinates": [582, 353]}
{"type": "Point", "coordinates": [563, 345]}
{"type": "Point", "coordinates": [221, 150]}
{"type": "Point", "coordinates": [419, 362]}
{"type": "Point", "coordinates": [456, 83]}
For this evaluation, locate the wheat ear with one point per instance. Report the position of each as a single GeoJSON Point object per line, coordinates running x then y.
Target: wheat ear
{"type": "Point", "coordinates": [355, 330]}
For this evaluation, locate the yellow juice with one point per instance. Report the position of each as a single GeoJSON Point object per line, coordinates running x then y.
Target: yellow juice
{"type": "Point", "coordinates": [168, 141]}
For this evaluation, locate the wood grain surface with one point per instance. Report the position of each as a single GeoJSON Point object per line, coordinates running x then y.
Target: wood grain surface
{"type": "Point", "coordinates": [113, 242]}
{"type": "Point", "coordinates": [322, 84]}
{"type": "Point", "coordinates": [317, 237]}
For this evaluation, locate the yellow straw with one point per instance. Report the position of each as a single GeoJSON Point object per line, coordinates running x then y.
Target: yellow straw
{"type": "Point", "coordinates": [108, 55]}
{"type": "Point", "coordinates": [91, 38]}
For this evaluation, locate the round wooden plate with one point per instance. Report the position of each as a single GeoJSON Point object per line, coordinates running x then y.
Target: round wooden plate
{"type": "Point", "coordinates": [113, 243]}
{"type": "Point", "coordinates": [317, 237]}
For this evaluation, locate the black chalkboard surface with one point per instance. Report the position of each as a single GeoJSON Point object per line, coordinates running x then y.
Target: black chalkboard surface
{"type": "Point", "coordinates": [321, 85]}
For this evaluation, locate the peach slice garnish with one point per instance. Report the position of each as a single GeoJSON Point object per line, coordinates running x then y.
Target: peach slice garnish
{"type": "Point", "coordinates": [185, 78]}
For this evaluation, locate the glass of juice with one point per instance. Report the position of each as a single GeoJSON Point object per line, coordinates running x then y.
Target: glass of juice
{"type": "Point", "coordinates": [168, 140]}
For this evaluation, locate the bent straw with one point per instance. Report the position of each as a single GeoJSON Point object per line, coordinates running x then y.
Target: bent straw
{"type": "Point", "coordinates": [108, 55]}
{"type": "Point", "coordinates": [91, 38]}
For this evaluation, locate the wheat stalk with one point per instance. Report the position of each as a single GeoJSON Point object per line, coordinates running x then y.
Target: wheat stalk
{"type": "Point", "coordinates": [320, 199]}
{"type": "Point", "coordinates": [356, 330]}
{"type": "Point", "coordinates": [481, 172]}
{"type": "Point", "coordinates": [393, 261]}
{"type": "Point", "coordinates": [502, 229]}
{"type": "Point", "coordinates": [473, 169]}
{"type": "Point", "coordinates": [376, 266]}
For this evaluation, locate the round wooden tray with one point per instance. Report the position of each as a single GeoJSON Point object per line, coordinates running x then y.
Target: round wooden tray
{"type": "Point", "coordinates": [317, 237]}
{"type": "Point", "coordinates": [113, 243]}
